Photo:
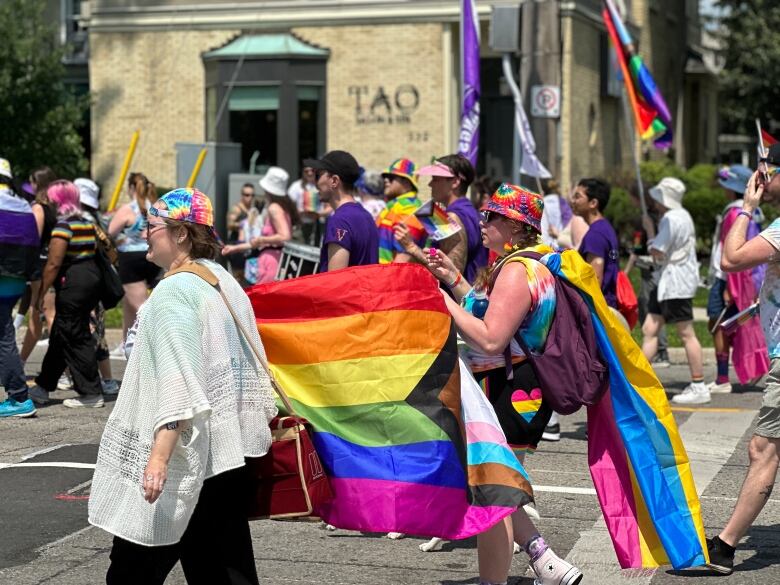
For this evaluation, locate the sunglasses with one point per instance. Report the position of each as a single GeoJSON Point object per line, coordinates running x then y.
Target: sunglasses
{"type": "Point", "coordinates": [488, 216]}
{"type": "Point", "coordinates": [247, 194]}
{"type": "Point", "coordinates": [153, 227]}
{"type": "Point", "coordinates": [318, 174]}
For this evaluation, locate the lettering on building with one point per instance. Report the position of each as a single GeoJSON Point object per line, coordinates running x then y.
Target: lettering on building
{"type": "Point", "coordinates": [384, 105]}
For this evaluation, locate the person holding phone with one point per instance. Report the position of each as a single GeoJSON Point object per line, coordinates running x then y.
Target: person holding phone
{"type": "Point", "coordinates": [739, 253]}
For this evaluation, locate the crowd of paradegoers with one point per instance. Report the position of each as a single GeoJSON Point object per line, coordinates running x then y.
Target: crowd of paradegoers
{"type": "Point", "coordinates": [191, 409]}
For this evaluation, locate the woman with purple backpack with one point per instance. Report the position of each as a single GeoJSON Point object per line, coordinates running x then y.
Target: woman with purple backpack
{"type": "Point", "coordinates": [521, 302]}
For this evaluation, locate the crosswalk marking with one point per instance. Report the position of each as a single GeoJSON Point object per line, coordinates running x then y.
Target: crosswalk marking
{"type": "Point", "coordinates": [710, 436]}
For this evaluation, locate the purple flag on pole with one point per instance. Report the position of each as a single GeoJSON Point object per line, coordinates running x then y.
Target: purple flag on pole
{"type": "Point", "coordinates": [468, 143]}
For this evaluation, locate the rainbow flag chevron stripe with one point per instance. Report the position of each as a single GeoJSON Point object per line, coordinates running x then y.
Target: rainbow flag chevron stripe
{"type": "Point", "coordinates": [436, 221]}
{"type": "Point", "coordinates": [651, 115]}
{"type": "Point", "coordinates": [637, 460]}
{"type": "Point", "coordinates": [368, 355]}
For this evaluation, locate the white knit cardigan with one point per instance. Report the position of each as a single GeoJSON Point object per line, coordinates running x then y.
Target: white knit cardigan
{"type": "Point", "coordinates": [190, 363]}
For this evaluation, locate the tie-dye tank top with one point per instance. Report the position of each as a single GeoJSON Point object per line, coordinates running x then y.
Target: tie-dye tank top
{"type": "Point", "coordinates": [535, 326]}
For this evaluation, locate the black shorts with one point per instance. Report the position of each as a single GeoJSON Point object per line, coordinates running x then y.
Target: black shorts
{"type": "Point", "coordinates": [134, 267]}
{"type": "Point", "coordinates": [672, 310]}
{"type": "Point", "coordinates": [520, 408]}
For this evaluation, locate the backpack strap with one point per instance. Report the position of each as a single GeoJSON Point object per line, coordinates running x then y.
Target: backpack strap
{"type": "Point", "coordinates": [514, 257]}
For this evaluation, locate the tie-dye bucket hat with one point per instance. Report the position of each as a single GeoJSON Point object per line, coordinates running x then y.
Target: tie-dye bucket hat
{"type": "Point", "coordinates": [516, 203]}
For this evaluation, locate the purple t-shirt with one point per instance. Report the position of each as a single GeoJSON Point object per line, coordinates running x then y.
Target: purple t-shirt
{"type": "Point", "coordinates": [601, 240]}
{"type": "Point", "coordinates": [352, 228]}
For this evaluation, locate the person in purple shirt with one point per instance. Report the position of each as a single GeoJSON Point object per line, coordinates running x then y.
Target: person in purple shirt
{"type": "Point", "coordinates": [350, 234]}
{"type": "Point", "coordinates": [599, 246]}
{"type": "Point", "coordinates": [451, 177]}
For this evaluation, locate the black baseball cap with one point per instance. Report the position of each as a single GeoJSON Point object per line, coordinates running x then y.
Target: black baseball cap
{"type": "Point", "coordinates": [773, 157]}
{"type": "Point", "coordinates": [336, 162]}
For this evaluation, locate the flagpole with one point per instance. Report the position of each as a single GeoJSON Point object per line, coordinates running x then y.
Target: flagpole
{"type": "Point", "coordinates": [632, 131]}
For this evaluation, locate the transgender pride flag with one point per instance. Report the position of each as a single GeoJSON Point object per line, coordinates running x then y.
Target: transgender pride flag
{"type": "Point", "coordinates": [468, 144]}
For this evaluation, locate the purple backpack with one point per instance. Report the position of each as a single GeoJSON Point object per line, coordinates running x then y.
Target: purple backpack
{"type": "Point", "coordinates": [570, 370]}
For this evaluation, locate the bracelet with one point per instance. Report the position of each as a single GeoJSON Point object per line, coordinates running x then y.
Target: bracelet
{"type": "Point", "coordinates": [746, 214]}
{"type": "Point", "coordinates": [455, 282]}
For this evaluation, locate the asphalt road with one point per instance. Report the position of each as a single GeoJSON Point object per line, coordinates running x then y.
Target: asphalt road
{"type": "Point", "coordinates": [46, 538]}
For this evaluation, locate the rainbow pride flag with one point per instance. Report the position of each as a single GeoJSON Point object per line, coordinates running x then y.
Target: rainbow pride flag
{"type": "Point", "coordinates": [436, 221]}
{"type": "Point", "coordinates": [368, 355]}
{"type": "Point", "coordinates": [638, 463]}
{"type": "Point", "coordinates": [399, 210]}
{"type": "Point", "coordinates": [651, 115]}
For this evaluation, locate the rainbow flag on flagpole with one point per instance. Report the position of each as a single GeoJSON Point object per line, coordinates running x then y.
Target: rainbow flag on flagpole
{"type": "Point", "coordinates": [638, 463]}
{"type": "Point", "coordinates": [410, 443]}
{"type": "Point", "coordinates": [651, 115]}
{"type": "Point", "coordinates": [436, 221]}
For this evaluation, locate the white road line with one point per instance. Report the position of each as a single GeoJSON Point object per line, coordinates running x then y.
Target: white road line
{"type": "Point", "coordinates": [65, 464]}
{"type": "Point", "coordinates": [709, 438]}
{"type": "Point", "coordinates": [559, 489]}
{"type": "Point", "coordinates": [49, 545]}
{"type": "Point", "coordinates": [46, 450]}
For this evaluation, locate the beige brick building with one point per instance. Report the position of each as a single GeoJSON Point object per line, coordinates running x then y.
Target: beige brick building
{"type": "Point", "coordinates": [379, 79]}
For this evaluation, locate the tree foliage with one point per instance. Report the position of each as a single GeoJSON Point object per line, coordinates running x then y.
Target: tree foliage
{"type": "Point", "coordinates": [750, 33]}
{"type": "Point", "coordinates": [39, 115]}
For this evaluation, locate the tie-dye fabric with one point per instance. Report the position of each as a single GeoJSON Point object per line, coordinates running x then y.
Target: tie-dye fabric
{"type": "Point", "coordinates": [185, 204]}
{"type": "Point", "coordinates": [535, 326]}
{"type": "Point", "coordinates": [399, 210]}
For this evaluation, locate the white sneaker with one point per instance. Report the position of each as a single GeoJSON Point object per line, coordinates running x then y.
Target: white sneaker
{"type": "Point", "coordinates": [64, 383]}
{"type": "Point", "coordinates": [38, 395]}
{"type": "Point", "coordinates": [550, 569]}
{"type": "Point", "coordinates": [118, 353]}
{"type": "Point", "coordinates": [110, 387]}
{"type": "Point", "coordinates": [716, 388]}
{"type": "Point", "coordinates": [42, 343]}
{"type": "Point", "coordinates": [694, 393]}
{"type": "Point", "coordinates": [84, 402]}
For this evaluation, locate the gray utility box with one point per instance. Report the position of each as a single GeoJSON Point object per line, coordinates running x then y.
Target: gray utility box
{"type": "Point", "coordinates": [222, 159]}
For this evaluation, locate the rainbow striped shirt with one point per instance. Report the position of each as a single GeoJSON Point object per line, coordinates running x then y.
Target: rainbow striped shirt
{"type": "Point", "coordinates": [80, 235]}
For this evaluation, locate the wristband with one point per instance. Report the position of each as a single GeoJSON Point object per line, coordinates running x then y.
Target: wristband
{"type": "Point", "coordinates": [746, 214]}
{"type": "Point", "coordinates": [455, 282]}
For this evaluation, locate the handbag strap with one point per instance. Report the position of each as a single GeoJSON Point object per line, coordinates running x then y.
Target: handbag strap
{"type": "Point", "coordinates": [207, 275]}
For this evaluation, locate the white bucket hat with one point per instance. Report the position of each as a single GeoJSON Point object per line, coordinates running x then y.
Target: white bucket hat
{"type": "Point", "coordinates": [89, 192]}
{"type": "Point", "coordinates": [5, 168]}
{"type": "Point", "coordinates": [275, 181]}
{"type": "Point", "coordinates": [669, 192]}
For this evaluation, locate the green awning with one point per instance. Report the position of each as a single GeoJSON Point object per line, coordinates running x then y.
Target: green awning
{"type": "Point", "coordinates": [267, 46]}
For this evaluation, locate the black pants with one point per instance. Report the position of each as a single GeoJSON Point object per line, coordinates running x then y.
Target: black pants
{"type": "Point", "coordinates": [216, 548]}
{"type": "Point", "coordinates": [70, 341]}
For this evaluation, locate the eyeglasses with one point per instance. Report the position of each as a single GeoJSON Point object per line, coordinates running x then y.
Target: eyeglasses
{"type": "Point", "coordinates": [153, 227]}
{"type": "Point", "coordinates": [488, 216]}
{"type": "Point", "coordinates": [247, 194]}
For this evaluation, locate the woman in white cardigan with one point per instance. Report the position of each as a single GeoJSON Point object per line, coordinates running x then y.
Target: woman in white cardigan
{"type": "Point", "coordinates": [170, 482]}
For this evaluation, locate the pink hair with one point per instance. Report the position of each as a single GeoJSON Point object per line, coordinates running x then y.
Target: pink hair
{"type": "Point", "coordinates": [65, 195]}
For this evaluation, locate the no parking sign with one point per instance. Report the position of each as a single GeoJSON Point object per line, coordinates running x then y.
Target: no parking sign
{"type": "Point", "coordinates": [545, 101]}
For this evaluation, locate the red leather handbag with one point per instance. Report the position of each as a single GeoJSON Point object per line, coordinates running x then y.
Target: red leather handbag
{"type": "Point", "coordinates": [289, 481]}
